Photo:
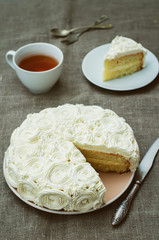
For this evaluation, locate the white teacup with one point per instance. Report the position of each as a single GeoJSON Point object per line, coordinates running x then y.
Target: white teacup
{"type": "Point", "coordinates": [36, 82]}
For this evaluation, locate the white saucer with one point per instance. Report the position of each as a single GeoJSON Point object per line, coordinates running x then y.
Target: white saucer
{"type": "Point", "coordinates": [93, 63]}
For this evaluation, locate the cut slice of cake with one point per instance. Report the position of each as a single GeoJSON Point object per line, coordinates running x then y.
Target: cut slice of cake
{"type": "Point", "coordinates": [124, 57]}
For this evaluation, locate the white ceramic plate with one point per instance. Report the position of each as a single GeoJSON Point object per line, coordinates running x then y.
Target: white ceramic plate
{"type": "Point", "coordinates": [93, 63]}
{"type": "Point", "coordinates": [116, 185]}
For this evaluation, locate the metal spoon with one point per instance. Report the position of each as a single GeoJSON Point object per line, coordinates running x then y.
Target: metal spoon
{"type": "Point", "coordinates": [75, 36]}
{"type": "Point", "coordinates": [63, 32]}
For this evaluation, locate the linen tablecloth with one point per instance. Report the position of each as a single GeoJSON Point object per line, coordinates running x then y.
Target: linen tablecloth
{"type": "Point", "coordinates": [23, 22]}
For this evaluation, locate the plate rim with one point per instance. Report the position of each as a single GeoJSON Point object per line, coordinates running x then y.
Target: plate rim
{"type": "Point", "coordinates": [128, 76]}
{"type": "Point", "coordinates": [61, 212]}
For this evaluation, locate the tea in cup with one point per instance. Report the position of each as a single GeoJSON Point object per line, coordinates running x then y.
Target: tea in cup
{"type": "Point", "coordinates": [37, 65]}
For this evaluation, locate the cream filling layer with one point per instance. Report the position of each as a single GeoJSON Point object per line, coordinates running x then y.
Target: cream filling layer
{"type": "Point", "coordinates": [122, 67]}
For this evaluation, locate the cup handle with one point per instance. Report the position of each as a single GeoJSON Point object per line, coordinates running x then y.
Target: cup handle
{"type": "Point", "coordinates": [9, 58]}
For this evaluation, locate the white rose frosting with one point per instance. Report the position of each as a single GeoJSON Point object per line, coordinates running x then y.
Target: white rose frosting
{"type": "Point", "coordinates": [43, 161]}
{"type": "Point", "coordinates": [27, 188]}
{"type": "Point", "coordinates": [81, 173]}
{"type": "Point", "coordinates": [53, 199]}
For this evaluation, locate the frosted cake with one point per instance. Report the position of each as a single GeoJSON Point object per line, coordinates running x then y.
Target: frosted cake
{"type": "Point", "coordinates": [54, 154]}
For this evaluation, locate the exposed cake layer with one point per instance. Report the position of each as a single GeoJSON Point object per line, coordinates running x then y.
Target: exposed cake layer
{"type": "Point", "coordinates": [44, 164]}
{"type": "Point", "coordinates": [106, 162]}
{"type": "Point", "coordinates": [122, 66]}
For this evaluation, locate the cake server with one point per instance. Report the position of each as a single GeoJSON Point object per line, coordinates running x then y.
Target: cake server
{"type": "Point", "coordinates": [141, 172]}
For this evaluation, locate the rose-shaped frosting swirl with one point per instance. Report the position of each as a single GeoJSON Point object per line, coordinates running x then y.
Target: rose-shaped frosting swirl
{"type": "Point", "coordinates": [27, 189]}
{"type": "Point", "coordinates": [58, 157]}
{"type": "Point", "coordinates": [76, 156]}
{"type": "Point", "coordinates": [12, 174]}
{"type": "Point", "coordinates": [57, 175]}
{"type": "Point", "coordinates": [25, 134]}
{"type": "Point", "coordinates": [113, 124]}
{"type": "Point", "coordinates": [87, 200]}
{"type": "Point", "coordinates": [44, 123]}
{"type": "Point", "coordinates": [53, 199]}
{"type": "Point", "coordinates": [35, 166]}
{"type": "Point", "coordinates": [66, 146]}
{"type": "Point", "coordinates": [88, 113]}
{"type": "Point", "coordinates": [22, 151]}
{"type": "Point", "coordinates": [66, 112]}
{"type": "Point", "coordinates": [83, 173]}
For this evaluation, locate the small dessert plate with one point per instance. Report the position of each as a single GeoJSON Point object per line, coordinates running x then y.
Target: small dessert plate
{"type": "Point", "coordinates": [93, 65]}
{"type": "Point", "coordinates": [116, 185]}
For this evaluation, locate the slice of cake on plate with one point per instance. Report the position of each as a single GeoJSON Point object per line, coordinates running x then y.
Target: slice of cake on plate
{"type": "Point", "coordinates": [124, 57]}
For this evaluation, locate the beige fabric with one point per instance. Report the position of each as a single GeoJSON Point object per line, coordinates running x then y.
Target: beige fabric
{"type": "Point", "coordinates": [23, 22]}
